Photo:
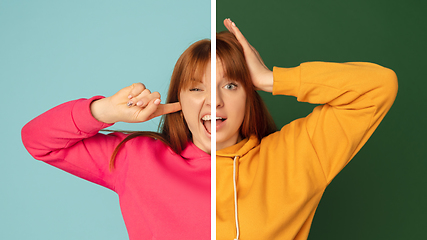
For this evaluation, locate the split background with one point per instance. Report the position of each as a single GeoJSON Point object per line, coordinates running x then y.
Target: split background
{"type": "Point", "coordinates": [56, 51]}
{"type": "Point", "coordinates": [382, 193]}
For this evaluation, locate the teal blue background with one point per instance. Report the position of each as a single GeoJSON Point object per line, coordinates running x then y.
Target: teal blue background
{"type": "Point", "coordinates": [55, 51]}
{"type": "Point", "coordinates": [382, 193]}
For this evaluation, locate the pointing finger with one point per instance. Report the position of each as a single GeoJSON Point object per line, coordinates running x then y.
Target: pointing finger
{"type": "Point", "coordinates": [166, 109]}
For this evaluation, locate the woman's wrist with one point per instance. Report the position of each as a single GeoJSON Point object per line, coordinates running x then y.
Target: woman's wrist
{"type": "Point", "coordinates": [266, 83]}
{"type": "Point", "coordinates": [99, 109]}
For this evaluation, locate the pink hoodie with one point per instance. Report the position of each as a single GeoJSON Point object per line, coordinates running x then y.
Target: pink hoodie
{"type": "Point", "coordinates": [162, 195]}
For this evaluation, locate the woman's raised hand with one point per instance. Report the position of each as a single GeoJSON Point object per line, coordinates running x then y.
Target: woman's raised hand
{"type": "Point", "coordinates": [262, 77]}
{"type": "Point", "coordinates": [131, 104]}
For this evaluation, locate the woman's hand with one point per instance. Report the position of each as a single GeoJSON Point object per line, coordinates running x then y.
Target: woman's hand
{"type": "Point", "coordinates": [131, 104]}
{"type": "Point", "coordinates": [262, 77]}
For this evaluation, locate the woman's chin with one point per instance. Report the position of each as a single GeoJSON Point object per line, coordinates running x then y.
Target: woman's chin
{"type": "Point", "coordinates": [203, 140]}
{"type": "Point", "coordinates": [222, 143]}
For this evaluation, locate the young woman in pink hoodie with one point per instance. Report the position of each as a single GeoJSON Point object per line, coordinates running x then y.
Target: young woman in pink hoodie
{"type": "Point", "coordinates": [162, 179]}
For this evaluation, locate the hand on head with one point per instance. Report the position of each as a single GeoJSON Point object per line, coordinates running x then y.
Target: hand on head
{"type": "Point", "coordinates": [132, 104]}
{"type": "Point", "coordinates": [262, 77]}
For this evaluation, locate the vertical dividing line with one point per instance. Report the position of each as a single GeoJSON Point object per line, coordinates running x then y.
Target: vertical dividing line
{"type": "Point", "coordinates": [213, 117]}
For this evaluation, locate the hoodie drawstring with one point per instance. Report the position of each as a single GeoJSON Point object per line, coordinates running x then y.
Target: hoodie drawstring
{"type": "Point", "coordinates": [236, 158]}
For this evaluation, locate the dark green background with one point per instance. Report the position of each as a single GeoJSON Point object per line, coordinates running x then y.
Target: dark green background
{"type": "Point", "coordinates": [382, 193]}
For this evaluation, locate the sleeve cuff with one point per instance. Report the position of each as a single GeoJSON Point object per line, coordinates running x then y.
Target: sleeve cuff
{"type": "Point", "coordinates": [286, 81]}
{"type": "Point", "coordinates": [83, 118]}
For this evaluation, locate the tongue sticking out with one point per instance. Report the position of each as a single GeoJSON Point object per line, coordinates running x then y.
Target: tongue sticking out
{"type": "Point", "coordinates": [207, 124]}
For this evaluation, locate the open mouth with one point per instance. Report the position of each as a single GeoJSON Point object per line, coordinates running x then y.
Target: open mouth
{"type": "Point", "coordinates": [206, 121]}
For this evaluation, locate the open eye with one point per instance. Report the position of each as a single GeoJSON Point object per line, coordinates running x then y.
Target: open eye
{"type": "Point", "coordinates": [230, 86]}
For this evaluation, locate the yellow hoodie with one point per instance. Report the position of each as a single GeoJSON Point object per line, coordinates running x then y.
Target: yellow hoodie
{"type": "Point", "coordinates": [279, 182]}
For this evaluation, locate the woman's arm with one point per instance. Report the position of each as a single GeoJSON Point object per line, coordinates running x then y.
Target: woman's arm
{"type": "Point", "coordinates": [355, 98]}
{"type": "Point", "coordinates": [67, 136]}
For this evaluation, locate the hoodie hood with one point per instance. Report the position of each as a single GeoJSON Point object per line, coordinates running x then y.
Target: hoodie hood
{"type": "Point", "coordinates": [239, 149]}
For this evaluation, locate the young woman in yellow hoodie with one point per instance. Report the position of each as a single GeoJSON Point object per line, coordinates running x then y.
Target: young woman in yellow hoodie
{"type": "Point", "coordinates": [269, 183]}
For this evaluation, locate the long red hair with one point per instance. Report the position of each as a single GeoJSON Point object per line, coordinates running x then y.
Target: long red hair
{"type": "Point", "coordinates": [190, 67]}
{"type": "Point", "coordinates": [257, 120]}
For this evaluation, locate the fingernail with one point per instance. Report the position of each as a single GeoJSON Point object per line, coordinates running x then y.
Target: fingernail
{"type": "Point", "coordinates": [157, 101]}
{"type": "Point", "coordinates": [232, 23]}
{"type": "Point", "coordinates": [129, 103]}
{"type": "Point", "coordinates": [139, 103]}
{"type": "Point", "coordinates": [130, 96]}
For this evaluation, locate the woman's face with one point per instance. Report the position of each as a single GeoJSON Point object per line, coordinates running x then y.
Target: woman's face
{"type": "Point", "coordinates": [230, 110]}
{"type": "Point", "coordinates": [230, 107]}
{"type": "Point", "coordinates": [196, 105]}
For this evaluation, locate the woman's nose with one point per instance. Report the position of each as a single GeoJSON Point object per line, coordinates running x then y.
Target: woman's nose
{"type": "Point", "coordinates": [208, 98]}
{"type": "Point", "coordinates": [219, 101]}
